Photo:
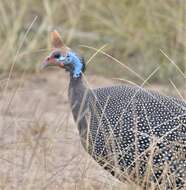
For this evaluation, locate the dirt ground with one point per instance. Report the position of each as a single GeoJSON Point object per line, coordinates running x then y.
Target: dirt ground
{"type": "Point", "coordinates": [39, 142]}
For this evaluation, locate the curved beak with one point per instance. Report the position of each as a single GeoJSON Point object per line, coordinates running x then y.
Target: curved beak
{"type": "Point", "coordinates": [51, 62]}
{"type": "Point", "coordinates": [44, 65]}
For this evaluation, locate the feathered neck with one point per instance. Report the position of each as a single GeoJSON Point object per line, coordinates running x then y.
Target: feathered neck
{"type": "Point", "coordinates": [77, 96]}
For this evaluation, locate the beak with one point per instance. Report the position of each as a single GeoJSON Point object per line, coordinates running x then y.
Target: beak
{"type": "Point", "coordinates": [50, 62]}
{"type": "Point", "coordinates": [46, 63]}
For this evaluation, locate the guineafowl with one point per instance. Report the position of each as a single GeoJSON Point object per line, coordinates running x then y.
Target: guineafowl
{"type": "Point", "coordinates": [136, 134]}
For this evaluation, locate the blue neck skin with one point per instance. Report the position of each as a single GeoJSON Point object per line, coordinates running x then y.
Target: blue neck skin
{"type": "Point", "coordinates": [72, 58]}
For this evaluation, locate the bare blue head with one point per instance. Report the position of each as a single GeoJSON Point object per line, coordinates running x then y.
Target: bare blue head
{"type": "Point", "coordinates": [70, 62]}
{"type": "Point", "coordinates": [64, 57]}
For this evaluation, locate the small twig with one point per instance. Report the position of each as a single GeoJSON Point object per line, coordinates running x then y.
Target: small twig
{"type": "Point", "coordinates": [116, 60]}
{"type": "Point", "coordinates": [178, 92]}
{"type": "Point", "coordinates": [173, 63]}
{"type": "Point", "coordinates": [98, 51]}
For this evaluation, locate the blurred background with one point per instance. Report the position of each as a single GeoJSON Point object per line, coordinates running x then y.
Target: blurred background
{"type": "Point", "coordinates": [141, 41]}
{"type": "Point", "coordinates": [134, 32]}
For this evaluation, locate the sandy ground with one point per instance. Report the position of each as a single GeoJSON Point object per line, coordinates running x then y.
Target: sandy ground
{"type": "Point", "coordinates": [39, 142]}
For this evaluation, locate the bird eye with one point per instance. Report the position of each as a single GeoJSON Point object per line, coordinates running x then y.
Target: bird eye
{"type": "Point", "coordinates": [57, 56]}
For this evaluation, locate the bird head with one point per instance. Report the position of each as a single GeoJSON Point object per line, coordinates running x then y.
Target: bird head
{"type": "Point", "coordinates": [63, 57]}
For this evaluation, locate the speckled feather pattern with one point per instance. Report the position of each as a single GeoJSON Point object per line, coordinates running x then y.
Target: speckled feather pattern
{"type": "Point", "coordinates": [136, 134]}
{"type": "Point", "coordinates": [129, 124]}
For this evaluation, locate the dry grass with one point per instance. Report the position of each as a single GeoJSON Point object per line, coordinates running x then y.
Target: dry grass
{"type": "Point", "coordinates": [133, 31]}
{"type": "Point", "coordinates": [40, 147]}
{"type": "Point", "coordinates": [39, 143]}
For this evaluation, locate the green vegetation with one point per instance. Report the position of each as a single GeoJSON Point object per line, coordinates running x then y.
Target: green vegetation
{"type": "Point", "coordinates": [134, 31]}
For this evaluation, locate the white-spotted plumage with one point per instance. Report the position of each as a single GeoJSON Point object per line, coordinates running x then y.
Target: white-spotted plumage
{"type": "Point", "coordinates": [136, 134]}
{"type": "Point", "coordinates": [130, 125]}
